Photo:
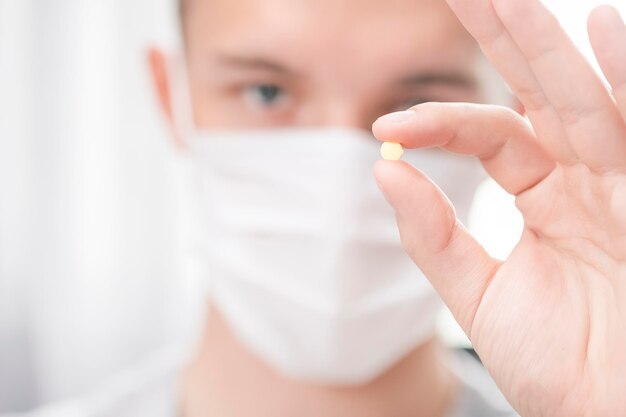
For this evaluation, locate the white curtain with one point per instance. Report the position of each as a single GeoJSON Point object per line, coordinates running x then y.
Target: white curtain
{"type": "Point", "coordinates": [87, 213]}
{"type": "Point", "coordinates": [87, 209]}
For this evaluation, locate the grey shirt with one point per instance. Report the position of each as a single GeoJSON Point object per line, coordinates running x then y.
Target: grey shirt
{"type": "Point", "coordinates": [149, 390]}
{"type": "Point", "coordinates": [479, 396]}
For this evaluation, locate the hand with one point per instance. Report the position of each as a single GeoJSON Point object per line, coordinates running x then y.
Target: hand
{"type": "Point", "coordinates": [549, 322]}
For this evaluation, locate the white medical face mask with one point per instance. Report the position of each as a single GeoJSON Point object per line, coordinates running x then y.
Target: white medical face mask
{"type": "Point", "coordinates": [302, 252]}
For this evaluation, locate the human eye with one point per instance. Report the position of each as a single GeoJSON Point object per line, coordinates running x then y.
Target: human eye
{"type": "Point", "coordinates": [265, 95]}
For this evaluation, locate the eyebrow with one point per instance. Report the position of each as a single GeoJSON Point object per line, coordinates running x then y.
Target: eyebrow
{"type": "Point", "coordinates": [255, 63]}
{"type": "Point", "coordinates": [454, 79]}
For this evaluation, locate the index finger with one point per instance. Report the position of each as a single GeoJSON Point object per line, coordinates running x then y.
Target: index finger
{"type": "Point", "coordinates": [498, 136]}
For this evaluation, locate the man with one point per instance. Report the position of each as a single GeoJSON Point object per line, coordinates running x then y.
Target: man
{"type": "Point", "coordinates": [263, 65]}
{"type": "Point", "coordinates": [548, 323]}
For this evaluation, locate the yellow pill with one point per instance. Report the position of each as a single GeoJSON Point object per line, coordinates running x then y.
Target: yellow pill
{"type": "Point", "coordinates": [391, 151]}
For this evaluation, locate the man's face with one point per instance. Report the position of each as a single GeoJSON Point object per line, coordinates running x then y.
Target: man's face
{"type": "Point", "coordinates": [271, 63]}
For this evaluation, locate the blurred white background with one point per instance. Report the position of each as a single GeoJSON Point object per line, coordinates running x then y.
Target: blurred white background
{"type": "Point", "coordinates": [86, 208]}
{"type": "Point", "coordinates": [87, 203]}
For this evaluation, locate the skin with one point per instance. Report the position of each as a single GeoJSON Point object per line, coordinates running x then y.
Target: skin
{"type": "Point", "coordinates": [550, 321]}
{"type": "Point", "coordinates": [385, 56]}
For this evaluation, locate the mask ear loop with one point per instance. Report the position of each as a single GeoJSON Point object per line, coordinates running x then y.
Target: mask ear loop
{"type": "Point", "coordinates": [180, 98]}
{"type": "Point", "coordinates": [184, 129]}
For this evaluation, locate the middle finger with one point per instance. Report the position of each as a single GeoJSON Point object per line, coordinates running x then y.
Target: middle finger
{"type": "Point", "coordinates": [588, 114]}
{"type": "Point", "coordinates": [480, 19]}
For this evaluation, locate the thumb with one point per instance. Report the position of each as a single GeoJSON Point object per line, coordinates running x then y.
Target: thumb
{"type": "Point", "coordinates": [452, 260]}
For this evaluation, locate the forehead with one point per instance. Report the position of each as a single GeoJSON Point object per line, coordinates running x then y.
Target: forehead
{"type": "Point", "coordinates": [341, 31]}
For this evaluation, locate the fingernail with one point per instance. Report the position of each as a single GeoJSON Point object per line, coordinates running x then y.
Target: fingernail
{"type": "Point", "coordinates": [397, 117]}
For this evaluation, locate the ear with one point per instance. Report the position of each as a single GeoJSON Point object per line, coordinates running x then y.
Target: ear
{"type": "Point", "coordinates": [157, 62]}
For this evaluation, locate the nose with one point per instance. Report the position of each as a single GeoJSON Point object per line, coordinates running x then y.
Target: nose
{"type": "Point", "coordinates": [339, 114]}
